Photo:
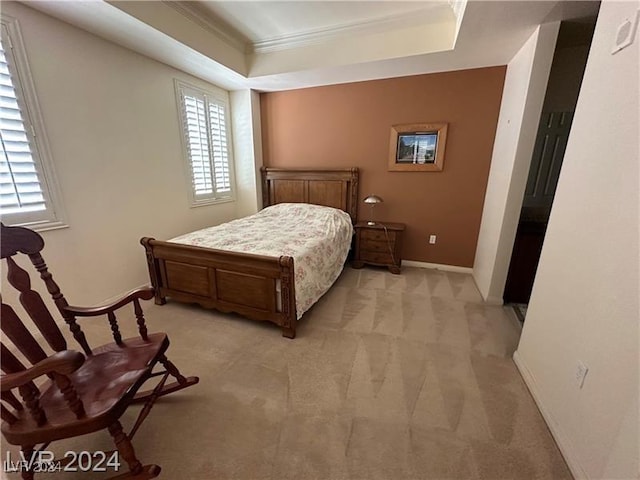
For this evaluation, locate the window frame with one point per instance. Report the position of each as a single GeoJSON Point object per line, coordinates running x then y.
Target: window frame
{"type": "Point", "coordinates": [36, 133]}
{"type": "Point", "coordinates": [221, 97]}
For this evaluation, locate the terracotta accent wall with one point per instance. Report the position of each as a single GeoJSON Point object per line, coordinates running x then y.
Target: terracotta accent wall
{"type": "Point", "coordinates": [348, 125]}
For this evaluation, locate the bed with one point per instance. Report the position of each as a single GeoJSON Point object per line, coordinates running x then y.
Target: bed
{"type": "Point", "coordinates": [257, 286]}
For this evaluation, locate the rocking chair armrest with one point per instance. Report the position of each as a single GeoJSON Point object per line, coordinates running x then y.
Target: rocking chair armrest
{"type": "Point", "coordinates": [64, 363]}
{"type": "Point", "coordinates": [144, 293]}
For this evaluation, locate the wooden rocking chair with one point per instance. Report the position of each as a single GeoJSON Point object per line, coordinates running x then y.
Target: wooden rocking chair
{"type": "Point", "coordinates": [84, 392]}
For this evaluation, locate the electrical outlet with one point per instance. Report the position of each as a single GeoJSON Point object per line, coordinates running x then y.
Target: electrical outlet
{"type": "Point", "coordinates": [432, 239]}
{"type": "Point", "coordinates": [581, 373]}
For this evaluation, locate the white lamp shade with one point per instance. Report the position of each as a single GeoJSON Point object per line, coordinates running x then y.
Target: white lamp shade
{"type": "Point", "coordinates": [373, 199]}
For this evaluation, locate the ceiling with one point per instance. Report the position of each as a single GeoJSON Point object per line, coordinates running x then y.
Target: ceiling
{"type": "Point", "coordinates": [278, 45]}
{"type": "Point", "coordinates": [260, 22]}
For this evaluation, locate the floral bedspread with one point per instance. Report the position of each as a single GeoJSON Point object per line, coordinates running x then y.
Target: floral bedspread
{"type": "Point", "coordinates": [318, 238]}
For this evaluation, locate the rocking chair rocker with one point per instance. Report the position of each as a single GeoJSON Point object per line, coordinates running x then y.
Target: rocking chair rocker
{"type": "Point", "coordinates": [85, 392]}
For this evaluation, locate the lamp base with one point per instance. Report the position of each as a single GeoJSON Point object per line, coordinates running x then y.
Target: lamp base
{"type": "Point", "coordinates": [370, 223]}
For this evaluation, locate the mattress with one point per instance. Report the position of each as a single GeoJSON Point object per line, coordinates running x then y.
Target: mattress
{"type": "Point", "coordinates": [318, 238]}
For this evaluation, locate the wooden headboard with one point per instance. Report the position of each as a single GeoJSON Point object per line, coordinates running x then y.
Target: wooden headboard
{"type": "Point", "coordinates": [331, 188]}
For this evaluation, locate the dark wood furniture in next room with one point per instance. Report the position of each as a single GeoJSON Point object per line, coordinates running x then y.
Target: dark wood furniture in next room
{"type": "Point", "coordinates": [524, 261]}
{"type": "Point", "coordinates": [84, 392]}
{"type": "Point", "coordinates": [255, 286]}
{"type": "Point", "coordinates": [379, 244]}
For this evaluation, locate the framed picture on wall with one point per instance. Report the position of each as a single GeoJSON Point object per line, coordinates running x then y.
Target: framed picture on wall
{"type": "Point", "coordinates": [417, 147]}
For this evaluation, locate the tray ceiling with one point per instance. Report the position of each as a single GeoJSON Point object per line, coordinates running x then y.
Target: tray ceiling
{"type": "Point", "coordinates": [270, 45]}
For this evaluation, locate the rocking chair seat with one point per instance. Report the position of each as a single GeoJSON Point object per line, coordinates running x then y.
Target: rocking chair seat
{"type": "Point", "coordinates": [114, 372]}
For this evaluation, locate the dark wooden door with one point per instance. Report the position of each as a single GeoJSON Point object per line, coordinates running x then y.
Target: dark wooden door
{"type": "Point", "coordinates": [551, 142]}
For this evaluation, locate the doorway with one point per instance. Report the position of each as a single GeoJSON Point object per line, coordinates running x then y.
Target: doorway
{"type": "Point", "coordinates": [565, 78]}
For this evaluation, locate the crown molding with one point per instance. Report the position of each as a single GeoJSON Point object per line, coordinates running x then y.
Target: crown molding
{"type": "Point", "coordinates": [310, 37]}
{"type": "Point", "coordinates": [202, 19]}
{"type": "Point", "coordinates": [322, 35]}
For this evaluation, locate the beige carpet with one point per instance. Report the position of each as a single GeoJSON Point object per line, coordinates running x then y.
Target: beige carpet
{"type": "Point", "coordinates": [391, 377]}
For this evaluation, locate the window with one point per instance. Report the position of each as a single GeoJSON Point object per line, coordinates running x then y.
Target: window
{"type": "Point", "coordinates": [204, 119]}
{"type": "Point", "coordinates": [27, 193]}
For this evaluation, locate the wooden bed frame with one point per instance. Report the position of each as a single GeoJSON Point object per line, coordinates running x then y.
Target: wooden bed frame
{"type": "Point", "coordinates": [241, 282]}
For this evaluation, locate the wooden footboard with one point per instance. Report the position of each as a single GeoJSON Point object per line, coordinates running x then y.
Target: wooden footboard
{"type": "Point", "coordinates": [256, 286]}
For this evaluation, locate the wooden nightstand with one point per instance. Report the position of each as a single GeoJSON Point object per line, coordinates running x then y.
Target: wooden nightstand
{"type": "Point", "coordinates": [379, 244]}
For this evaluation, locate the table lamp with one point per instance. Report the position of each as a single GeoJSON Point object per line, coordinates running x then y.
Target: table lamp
{"type": "Point", "coordinates": [372, 200]}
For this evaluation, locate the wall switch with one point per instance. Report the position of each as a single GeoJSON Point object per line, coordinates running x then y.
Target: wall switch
{"type": "Point", "coordinates": [581, 373]}
{"type": "Point", "coordinates": [626, 33]}
{"type": "Point", "coordinates": [432, 239]}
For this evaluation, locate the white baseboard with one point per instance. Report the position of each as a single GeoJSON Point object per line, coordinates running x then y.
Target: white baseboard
{"type": "Point", "coordinates": [437, 266]}
{"type": "Point", "coordinates": [564, 444]}
{"type": "Point", "coordinates": [494, 300]}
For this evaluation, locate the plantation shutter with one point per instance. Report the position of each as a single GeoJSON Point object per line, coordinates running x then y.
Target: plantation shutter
{"type": "Point", "coordinates": [21, 186]}
{"type": "Point", "coordinates": [205, 130]}
{"type": "Point", "coordinates": [218, 130]}
{"type": "Point", "coordinates": [195, 124]}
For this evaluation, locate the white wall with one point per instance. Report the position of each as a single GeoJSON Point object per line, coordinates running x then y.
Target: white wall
{"type": "Point", "coordinates": [522, 99]}
{"type": "Point", "coordinates": [247, 144]}
{"type": "Point", "coordinates": [584, 305]}
{"type": "Point", "coordinates": [112, 123]}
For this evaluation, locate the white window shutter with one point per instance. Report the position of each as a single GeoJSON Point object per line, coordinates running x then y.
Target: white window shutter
{"type": "Point", "coordinates": [195, 125]}
{"type": "Point", "coordinates": [20, 183]}
{"type": "Point", "coordinates": [29, 192]}
{"type": "Point", "coordinates": [204, 123]}
{"type": "Point", "coordinates": [219, 148]}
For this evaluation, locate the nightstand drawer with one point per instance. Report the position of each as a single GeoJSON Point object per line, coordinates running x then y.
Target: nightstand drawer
{"type": "Point", "coordinates": [379, 245]}
{"type": "Point", "coordinates": [377, 235]}
{"type": "Point", "coordinates": [375, 246]}
{"type": "Point", "coordinates": [376, 257]}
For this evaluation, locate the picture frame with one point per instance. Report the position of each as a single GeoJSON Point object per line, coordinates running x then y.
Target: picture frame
{"type": "Point", "coordinates": [417, 147]}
